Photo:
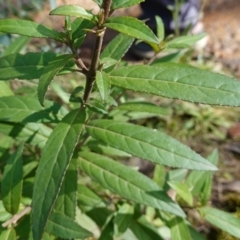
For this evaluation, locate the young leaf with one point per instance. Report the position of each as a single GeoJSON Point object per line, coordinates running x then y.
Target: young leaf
{"type": "Point", "coordinates": [34, 133]}
{"type": "Point", "coordinates": [179, 229]}
{"type": "Point", "coordinates": [182, 189]}
{"type": "Point", "coordinates": [5, 90]}
{"type": "Point", "coordinates": [28, 66]}
{"type": "Point", "coordinates": [103, 84]}
{"type": "Point", "coordinates": [87, 197]}
{"type": "Point", "coordinates": [184, 41]}
{"type": "Point", "coordinates": [179, 81]}
{"type": "Point", "coordinates": [16, 46]}
{"type": "Point", "coordinates": [124, 3]}
{"type": "Point", "coordinates": [73, 11]}
{"type": "Point", "coordinates": [126, 182]}
{"type": "Point", "coordinates": [67, 198]}
{"type": "Point", "coordinates": [49, 72]}
{"type": "Point", "coordinates": [132, 27]}
{"type": "Point", "coordinates": [225, 221]}
{"type": "Point", "coordinates": [148, 144]}
{"type": "Point", "coordinates": [12, 181]}
{"type": "Point", "coordinates": [28, 109]}
{"type": "Point", "coordinates": [145, 107]}
{"type": "Point", "coordinates": [28, 28]}
{"type": "Point", "coordinates": [117, 47]}
{"type": "Point", "coordinates": [56, 156]}
{"type": "Point", "coordinates": [64, 227]}
{"type": "Point", "coordinates": [160, 28]}
{"type": "Point", "coordinates": [8, 234]}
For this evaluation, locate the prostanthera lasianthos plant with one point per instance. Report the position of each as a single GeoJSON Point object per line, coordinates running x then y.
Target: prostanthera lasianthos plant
{"type": "Point", "coordinates": [63, 178]}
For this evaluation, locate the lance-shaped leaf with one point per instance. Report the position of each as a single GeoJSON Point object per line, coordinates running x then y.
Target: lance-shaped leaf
{"type": "Point", "coordinates": [179, 81]}
{"type": "Point", "coordinates": [12, 181]}
{"type": "Point", "coordinates": [33, 133]}
{"type": "Point", "coordinates": [64, 227]}
{"type": "Point", "coordinates": [49, 72]}
{"type": "Point", "coordinates": [73, 11]}
{"type": "Point", "coordinates": [28, 109]}
{"type": "Point", "coordinates": [132, 27]}
{"type": "Point", "coordinates": [148, 144]}
{"type": "Point", "coordinates": [28, 28]}
{"type": "Point", "coordinates": [124, 3]}
{"type": "Point", "coordinates": [179, 229]}
{"type": "Point", "coordinates": [103, 84]}
{"type": "Point", "coordinates": [117, 47]}
{"type": "Point", "coordinates": [225, 221]}
{"type": "Point", "coordinates": [126, 182]}
{"type": "Point", "coordinates": [5, 90]}
{"type": "Point", "coordinates": [52, 167]}
{"type": "Point", "coordinates": [184, 41]}
{"type": "Point", "coordinates": [67, 198]}
{"type": "Point", "coordinates": [27, 66]}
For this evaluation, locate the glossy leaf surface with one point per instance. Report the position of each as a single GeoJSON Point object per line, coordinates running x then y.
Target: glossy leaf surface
{"type": "Point", "coordinates": [126, 182]}
{"type": "Point", "coordinates": [27, 66]}
{"type": "Point", "coordinates": [124, 3]}
{"type": "Point", "coordinates": [11, 184]}
{"type": "Point", "coordinates": [73, 11]}
{"type": "Point", "coordinates": [131, 27]}
{"type": "Point", "coordinates": [223, 220]}
{"type": "Point", "coordinates": [52, 167]}
{"type": "Point", "coordinates": [148, 144]}
{"type": "Point", "coordinates": [103, 85]}
{"type": "Point", "coordinates": [49, 72]}
{"type": "Point", "coordinates": [179, 81]}
{"type": "Point", "coordinates": [28, 28]}
{"type": "Point", "coordinates": [28, 109]}
{"type": "Point", "coordinates": [64, 227]}
{"type": "Point", "coordinates": [117, 47]}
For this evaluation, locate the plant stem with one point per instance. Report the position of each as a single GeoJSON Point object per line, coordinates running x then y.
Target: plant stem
{"type": "Point", "coordinates": [97, 50]}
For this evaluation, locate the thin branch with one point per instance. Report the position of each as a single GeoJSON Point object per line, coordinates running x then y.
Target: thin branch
{"type": "Point", "coordinates": [17, 216]}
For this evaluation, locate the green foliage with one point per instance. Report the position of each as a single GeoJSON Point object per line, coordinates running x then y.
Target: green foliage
{"type": "Point", "coordinates": [62, 160]}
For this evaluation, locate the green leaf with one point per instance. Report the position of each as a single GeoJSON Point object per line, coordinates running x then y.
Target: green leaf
{"type": "Point", "coordinates": [132, 27]}
{"type": "Point", "coordinates": [56, 156]}
{"type": "Point", "coordinates": [49, 72]}
{"type": "Point", "coordinates": [67, 198]}
{"type": "Point", "coordinates": [124, 3]}
{"type": "Point", "coordinates": [126, 182]}
{"type": "Point", "coordinates": [160, 28]}
{"type": "Point", "coordinates": [117, 48]}
{"type": "Point", "coordinates": [12, 181]}
{"type": "Point", "coordinates": [28, 28]}
{"type": "Point", "coordinates": [195, 234]}
{"type": "Point", "coordinates": [28, 66]}
{"type": "Point", "coordinates": [108, 230]}
{"type": "Point", "coordinates": [142, 232]}
{"type": "Point", "coordinates": [33, 133]}
{"type": "Point", "coordinates": [103, 84]}
{"type": "Point", "coordinates": [225, 221]}
{"type": "Point", "coordinates": [179, 229]}
{"type": "Point", "coordinates": [148, 144]}
{"type": "Point", "coordinates": [73, 11]}
{"type": "Point", "coordinates": [184, 41]}
{"type": "Point", "coordinates": [64, 227]}
{"type": "Point", "coordinates": [179, 81]}
{"type": "Point", "coordinates": [123, 218]}
{"type": "Point", "coordinates": [5, 90]}
{"type": "Point", "coordinates": [182, 189]}
{"type": "Point", "coordinates": [28, 109]}
{"type": "Point", "coordinates": [145, 107]}
{"type": "Point", "coordinates": [8, 234]}
{"type": "Point", "coordinates": [87, 197]}
{"type": "Point", "coordinates": [17, 45]}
